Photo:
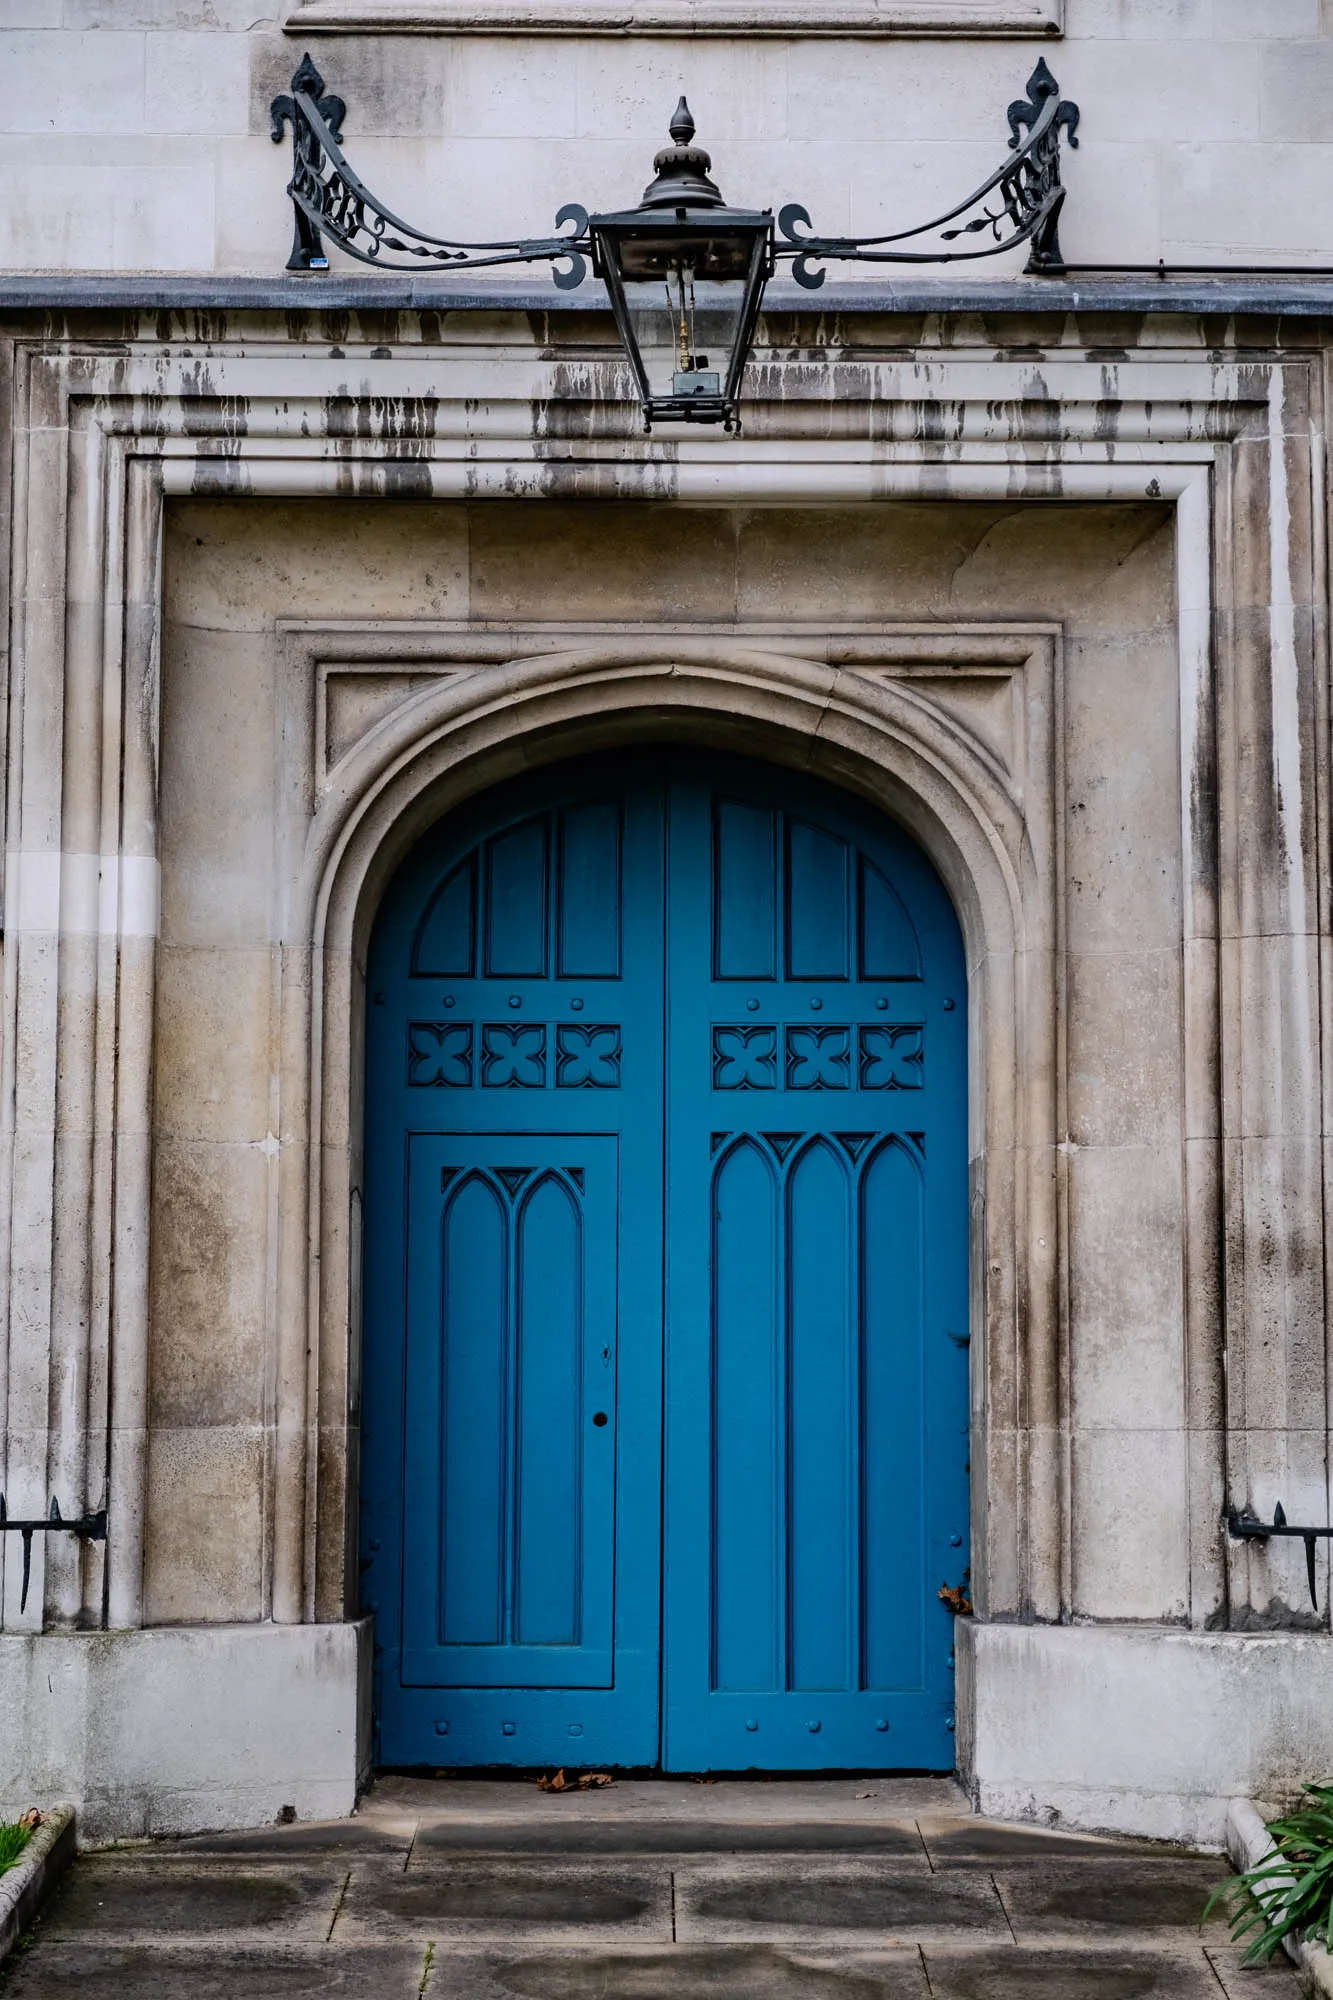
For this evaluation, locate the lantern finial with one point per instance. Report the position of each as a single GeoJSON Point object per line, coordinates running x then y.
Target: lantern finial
{"type": "Point", "coordinates": [682, 169]}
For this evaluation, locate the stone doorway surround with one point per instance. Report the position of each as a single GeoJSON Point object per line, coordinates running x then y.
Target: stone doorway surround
{"type": "Point", "coordinates": [1054, 1718]}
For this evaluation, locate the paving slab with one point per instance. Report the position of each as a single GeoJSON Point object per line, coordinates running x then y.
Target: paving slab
{"type": "Point", "coordinates": [142, 1896]}
{"type": "Point", "coordinates": [1278, 1980]}
{"type": "Point", "coordinates": [506, 1896]}
{"type": "Point", "coordinates": [91, 1971]}
{"type": "Point", "coordinates": [1109, 1898]}
{"type": "Point", "coordinates": [811, 1899]}
{"type": "Point", "coordinates": [1076, 1974]}
{"type": "Point", "coordinates": [95, 1971]}
{"type": "Point", "coordinates": [681, 1972]}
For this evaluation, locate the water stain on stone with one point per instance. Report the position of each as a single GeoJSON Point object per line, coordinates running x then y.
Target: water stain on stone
{"type": "Point", "coordinates": [881, 1905]}
{"type": "Point", "coordinates": [491, 1898]}
{"type": "Point", "coordinates": [1025, 1975]}
{"type": "Point", "coordinates": [178, 1901]}
{"type": "Point", "coordinates": [740, 1972]}
{"type": "Point", "coordinates": [1155, 1896]}
{"type": "Point", "coordinates": [968, 1840]}
{"type": "Point", "coordinates": [93, 1971]}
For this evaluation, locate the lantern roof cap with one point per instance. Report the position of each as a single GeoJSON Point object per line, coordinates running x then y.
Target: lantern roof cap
{"type": "Point", "coordinates": [681, 178]}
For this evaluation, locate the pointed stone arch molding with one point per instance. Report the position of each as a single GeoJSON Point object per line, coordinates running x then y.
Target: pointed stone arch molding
{"type": "Point", "coordinates": [356, 675]}
{"type": "Point", "coordinates": [101, 437]}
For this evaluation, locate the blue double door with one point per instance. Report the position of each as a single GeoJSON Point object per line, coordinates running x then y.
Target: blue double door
{"type": "Point", "coordinates": [664, 1435]}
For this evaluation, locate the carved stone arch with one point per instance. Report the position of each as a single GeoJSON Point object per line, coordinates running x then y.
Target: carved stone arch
{"type": "Point", "coordinates": [881, 739]}
{"type": "Point", "coordinates": [464, 735]}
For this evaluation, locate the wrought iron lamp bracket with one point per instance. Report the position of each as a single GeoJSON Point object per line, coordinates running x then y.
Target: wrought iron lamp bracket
{"type": "Point", "coordinates": [1244, 1525]}
{"type": "Point", "coordinates": [330, 199]}
{"type": "Point", "coordinates": [681, 230]}
{"type": "Point", "coordinates": [88, 1527]}
{"type": "Point", "coordinates": [1019, 203]}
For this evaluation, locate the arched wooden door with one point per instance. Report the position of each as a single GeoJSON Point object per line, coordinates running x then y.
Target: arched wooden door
{"type": "Point", "coordinates": [664, 1444]}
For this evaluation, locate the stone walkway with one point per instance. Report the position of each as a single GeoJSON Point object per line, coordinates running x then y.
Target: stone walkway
{"type": "Point", "coordinates": [871, 1889]}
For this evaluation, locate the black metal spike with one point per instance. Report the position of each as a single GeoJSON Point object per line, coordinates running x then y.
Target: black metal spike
{"type": "Point", "coordinates": [682, 127]}
{"type": "Point", "coordinates": [26, 1537]}
{"type": "Point", "coordinates": [1041, 84]}
{"type": "Point", "coordinates": [308, 78]}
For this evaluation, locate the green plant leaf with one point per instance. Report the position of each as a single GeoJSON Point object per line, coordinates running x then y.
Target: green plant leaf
{"type": "Point", "coordinates": [13, 1839]}
{"type": "Point", "coordinates": [1290, 1892]}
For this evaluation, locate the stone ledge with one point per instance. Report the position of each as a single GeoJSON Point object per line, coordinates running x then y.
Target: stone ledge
{"type": "Point", "coordinates": [1217, 294]}
{"type": "Point", "coordinates": [26, 1886]}
{"type": "Point", "coordinates": [749, 18]}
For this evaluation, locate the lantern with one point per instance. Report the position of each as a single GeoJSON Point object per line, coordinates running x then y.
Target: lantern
{"type": "Point", "coordinates": [700, 268]}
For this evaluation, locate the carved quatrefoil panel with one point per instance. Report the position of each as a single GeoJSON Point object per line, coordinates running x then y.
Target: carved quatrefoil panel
{"type": "Point", "coordinates": [514, 1055]}
{"type": "Point", "coordinates": [830, 1056]}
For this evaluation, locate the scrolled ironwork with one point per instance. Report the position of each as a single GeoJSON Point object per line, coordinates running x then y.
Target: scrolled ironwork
{"type": "Point", "coordinates": [330, 199]}
{"type": "Point", "coordinates": [681, 231]}
{"type": "Point", "coordinates": [1019, 203]}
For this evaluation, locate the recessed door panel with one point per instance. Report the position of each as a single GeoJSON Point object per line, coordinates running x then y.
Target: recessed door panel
{"type": "Point", "coordinates": [745, 1420]}
{"type": "Point", "coordinates": [510, 1454]}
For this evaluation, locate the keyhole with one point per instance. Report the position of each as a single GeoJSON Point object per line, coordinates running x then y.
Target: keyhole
{"type": "Point", "coordinates": [599, 1418]}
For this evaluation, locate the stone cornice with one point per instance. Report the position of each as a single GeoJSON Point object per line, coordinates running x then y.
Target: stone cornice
{"type": "Point", "coordinates": [678, 17]}
{"type": "Point", "coordinates": [1217, 293]}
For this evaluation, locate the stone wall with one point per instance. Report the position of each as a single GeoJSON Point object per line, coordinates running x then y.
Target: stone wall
{"type": "Point", "coordinates": [1049, 589]}
{"type": "Point", "coordinates": [238, 573]}
{"type": "Point", "coordinates": [136, 132]}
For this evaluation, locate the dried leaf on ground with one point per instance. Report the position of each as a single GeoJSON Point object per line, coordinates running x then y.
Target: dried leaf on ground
{"type": "Point", "coordinates": [586, 1781]}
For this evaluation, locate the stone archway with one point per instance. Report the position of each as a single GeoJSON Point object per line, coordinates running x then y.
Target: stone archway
{"type": "Point", "coordinates": [905, 753]}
